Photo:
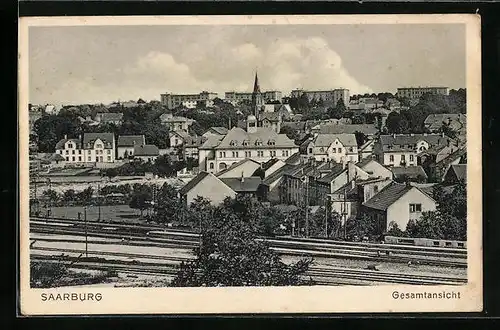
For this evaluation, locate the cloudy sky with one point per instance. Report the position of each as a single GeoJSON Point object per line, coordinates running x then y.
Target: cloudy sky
{"type": "Point", "coordinates": [90, 64]}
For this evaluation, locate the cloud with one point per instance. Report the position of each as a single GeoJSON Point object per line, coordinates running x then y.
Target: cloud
{"type": "Point", "coordinates": [283, 64]}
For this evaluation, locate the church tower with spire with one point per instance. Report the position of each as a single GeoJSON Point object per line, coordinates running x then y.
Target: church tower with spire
{"type": "Point", "coordinates": [257, 98]}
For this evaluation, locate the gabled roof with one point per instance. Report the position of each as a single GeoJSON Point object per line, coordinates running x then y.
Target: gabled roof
{"type": "Point", "coordinates": [387, 196]}
{"type": "Point", "coordinates": [409, 171]}
{"type": "Point", "coordinates": [130, 140]}
{"type": "Point", "coordinates": [106, 138]}
{"type": "Point", "coordinates": [146, 150]}
{"type": "Point", "coordinates": [271, 116]}
{"type": "Point", "coordinates": [460, 171]}
{"type": "Point", "coordinates": [212, 142]}
{"type": "Point", "coordinates": [236, 138]}
{"type": "Point", "coordinates": [293, 159]}
{"type": "Point", "coordinates": [325, 140]}
{"type": "Point", "coordinates": [365, 161]}
{"type": "Point", "coordinates": [194, 181]}
{"type": "Point", "coordinates": [266, 165]}
{"type": "Point", "coordinates": [218, 130]}
{"type": "Point", "coordinates": [398, 142]}
{"type": "Point", "coordinates": [250, 184]}
{"type": "Point", "coordinates": [194, 141]}
{"type": "Point", "coordinates": [60, 144]}
{"type": "Point", "coordinates": [348, 129]}
{"type": "Point", "coordinates": [279, 173]}
{"type": "Point", "coordinates": [235, 165]}
{"type": "Point", "coordinates": [334, 173]}
{"type": "Point", "coordinates": [181, 133]}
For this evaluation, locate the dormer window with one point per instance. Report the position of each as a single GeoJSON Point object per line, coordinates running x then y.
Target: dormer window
{"type": "Point", "coordinates": [246, 142]}
{"type": "Point", "coordinates": [272, 142]}
{"type": "Point", "coordinates": [258, 142]}
{"type": "Point", "coordinates": [233, 143]}
{"type": "Point", "coordinates": [321, 149]}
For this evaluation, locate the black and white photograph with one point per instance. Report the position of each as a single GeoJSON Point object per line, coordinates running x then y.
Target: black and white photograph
{"type": "Point", "coordinates": [289, 153]}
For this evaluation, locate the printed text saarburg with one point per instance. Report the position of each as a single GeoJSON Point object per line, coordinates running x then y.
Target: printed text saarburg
{"type": "Point", "coordinates": [71, 296]}
{"type": "Point", "coordinates": [426, 295]}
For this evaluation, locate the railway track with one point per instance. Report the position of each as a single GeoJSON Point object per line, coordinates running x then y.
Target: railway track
{"type": "Point", "coordinates": [320, 275]}
{"type": "Point", "coordinates": [139, 235]}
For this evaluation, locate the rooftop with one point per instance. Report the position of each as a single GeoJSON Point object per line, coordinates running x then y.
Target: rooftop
{"type": "Point", "coordinates": [409, 171]}
{"type": "Point", "coordinates": [106, 138]}
{"type": "Point", "coordinates": [110, 116]}
{"type": "Point", "coordinates": [325, 140]}
{"type": "Point", "coordinates": [348, 129]}
{"type": "Point", "coordinates": [387, 196]}
{"type": "Point", "coordinates": [130, 140]}
{"type": "Point", "coordinates": [219, 130]}
{"type": "Point", "coordinates": [193, 182]}
{"type": "Point", "coordinates": [146, 150]}
{"type": "Point", "coordinates": [250, 184]}
{"type": "Point", "coordinates": [239, 138]}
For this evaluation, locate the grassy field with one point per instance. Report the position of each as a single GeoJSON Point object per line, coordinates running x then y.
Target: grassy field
{"type": "Point", "coordinates": [108, 212]}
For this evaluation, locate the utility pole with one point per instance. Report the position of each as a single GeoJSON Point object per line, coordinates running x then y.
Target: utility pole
{"type": "Point", "coordinates": [49, 211]}
{"type": "Point", "coordinates": [307, 207]}
{"type": "Point", "coordinates": [326, 217]}
{"type": "Point", "coordinates": [99, 201]}
{"type": "Point", "coordinates": [86, 232]}
{"type": "Point", "coordinates": [344, 213]}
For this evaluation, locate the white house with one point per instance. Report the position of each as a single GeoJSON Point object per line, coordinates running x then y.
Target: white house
{"type": "Point", "coordinates": [147, 153]}
{"type": "Point", "coordinates": [94, 148]}
{"type": "Point", "coordinates": [337, 147]}
{"type": "Point", "coordinates": [126, 144]}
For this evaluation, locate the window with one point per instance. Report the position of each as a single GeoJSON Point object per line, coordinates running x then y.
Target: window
{"type": "Point", "coordinates": [272, 153]}
{"type": "Point", "coordinates": [109, 152]}
{"type": "Point", "coordinates": [411, 158]}
{"type": "Point", "coordinates": [260, 153]}
{"type": "Point", "coordinates": [90, 159]}
{"type": "Point", "coordinates": [375, 189]}
{"type": "Point", "coordinates": [246, 142]}
{"type": "Point", "coordinates": [415, 208]}
{"type": "Point", "coordinates": [258, 143]}
{"type": "Point", "coordinates": [73, 152]}
{"type": "Point", "coordinates": [67, 152]}
{"type": "Point", "coordinates": [334, 150]}
{"type": "Point", "coordinates": [350, 149]}
{"type": "Point", "coordinates": [98, 145]}
{"type": "Point", "coordinates": [248, 154]}
{"type": "Point", "coordinates": [220, 154]}
{"type": "Point", "coordinates": [310, 150]}
{"type": "Point", "coordinates": [67, 158]}
{"type": "Point", "coordinates": [340, 150]}
{"type": "Point", "coordinates": [211, 166]}
{"type": "Point", "coordinates": [80, 151]}
{"type": "Point", "coordinates": [73, 158]}
{"type": "Point", "coordinates": [80, 158]}
{"type": "Point", "coordinates": [391, 158]}
{"type": "Point", "coordinates": [272, 142]}
{"type": "Point", "coordinates": [403, 158]}
{"type": "Point", "coordinates": [109, 158]}
{"type": "Point", "coordinates": [284, 153]}
{"type": "Point", "coordinates": [176, 141]}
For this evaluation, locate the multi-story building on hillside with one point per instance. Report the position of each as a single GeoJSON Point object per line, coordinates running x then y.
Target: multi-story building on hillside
{"type": "Point", "coordinates": [236, 97]}
{"type": "Point", "coordinates": [172, 101]}
{"type": "Point", "coordinates": [331, 96]}
{"type": "Point", "coordinates": [93, 148]}
{"type": "Point", "coordinates": [417, 92]}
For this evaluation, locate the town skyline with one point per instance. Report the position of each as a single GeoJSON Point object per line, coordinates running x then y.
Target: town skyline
{"type": "Point", "coordinates": [181, 59]}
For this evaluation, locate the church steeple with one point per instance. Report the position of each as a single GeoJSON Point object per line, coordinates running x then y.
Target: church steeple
{"type": "Point", "coordinates": [257, 99]}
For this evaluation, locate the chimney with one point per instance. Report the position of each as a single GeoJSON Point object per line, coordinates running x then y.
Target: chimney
{"type": "Point", "coordinates": [65, 136]}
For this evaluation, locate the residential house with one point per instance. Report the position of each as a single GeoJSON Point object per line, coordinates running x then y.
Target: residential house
{"type": "Point", "coordinates": [177, 138]}
{"type": "Point", "coordinates": [403, 149]}
{"type": "Point", "coordinates": [455, 121]}
{"type": "Point", "coordinates": [191, 145]}
{"type": "Point", "coordinates": [397, 204]}
{"type": "Point", "coordinates": [175, 123]}
{"type": "Point", "coordinates": [258, 143]}
{"type": "Point", "coordinates": [208, 186]}
{"type": "Point", "coordinates": [126, 144]}
{"type": "Point", "coordinates": [147, 153]}
{"type": "Point", "coordinates": [337, 147]}
{"type": "Point", "coordinates": [217, 130]}
{"type": "Point", "coordinates": [115, 118]}
{"type": "Point", "coordinates": [271, 120]}
{"type": "Point", "coordinates": [409, 173]}
{"type": "Point", "coordinates": [366, 149]}
{"type": "Point", "coordinates": [94, 148]}
{"type": "Point", "coordinates": [250, 186]}
{"type": "Point", "coordinates": [455, 174]}
{"type": "Point", "coordinates": [436, 161]}
{"type": "Point", "coordinates": [374, 168]}
{"type": "Point", "coordinates": [244, 168]}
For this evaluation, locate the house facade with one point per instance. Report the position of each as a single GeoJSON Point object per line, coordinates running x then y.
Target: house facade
{"type": "Point", "coordinates": [337, 147]}
{"type": "Point", "coordinates": [115, 118]}
{"type": "Point", "coordinates": [126, 144]}
{"type": "Point", "coordinates": [93, 148]}
{"type": "Point", "coordinates": [147, 153]}
{"type": "Point", "coordinates": [175, 123]}
{"type": "Point", "coordinates": [208, 186]}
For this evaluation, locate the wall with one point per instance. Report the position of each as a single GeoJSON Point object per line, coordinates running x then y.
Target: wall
{"type": "Point", "coordinates": [369, 189]}
{"type": "Point", "coordinates": [377, 170]}
{"type": "Point", "coordinates": [399, 212]}
{"type": "Point", "coordinates": [121, 151]}
{"type": "Point", "coordinates": [210, 188]}
{"type": "Point", "coordinates": [397, 158]}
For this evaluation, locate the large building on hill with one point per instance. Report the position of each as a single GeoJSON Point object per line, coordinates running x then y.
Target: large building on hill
{"type": "Point", "coordinates": [236, 97]}
{"type": "Point", "coordinates": [417, 92]}
{"type": "Point", "coordinates": [258, 143]}
{"type": "Point", "coordinates": [93, 148]}
{"type": "Point", "coordinates": [172, 101]}
{"type": "Point", "coordinates": [403, 149]}
{"type": "Point", "coordinates": [331, 96]}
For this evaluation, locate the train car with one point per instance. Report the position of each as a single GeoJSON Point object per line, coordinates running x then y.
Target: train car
{"type": "Point", "coordinates": [425, 242]}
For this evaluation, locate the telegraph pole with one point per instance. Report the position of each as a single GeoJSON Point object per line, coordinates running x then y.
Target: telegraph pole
{"type": "Point", "coordinates": [86, 231]}
{"type": "Point", "coordinates": [326, 217]}
{"type": "Point", "coordinates": [99, 200]}
{"type": "Point", "coordinates": [307, 208]}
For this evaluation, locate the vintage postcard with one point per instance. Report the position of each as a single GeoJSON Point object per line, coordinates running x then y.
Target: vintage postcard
{"type": "Point", "coordinates": [250, 164]}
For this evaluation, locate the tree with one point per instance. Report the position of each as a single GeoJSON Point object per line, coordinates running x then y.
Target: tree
{"type": "Point", "coordinates": [394, 122]}
{"type": "Point", "coordinates": [85, 196]}
{"type": "Point", "coordinates": [141, 198]}
{"type": "Point", "coordinates": [111, 172]}
{"type": "Point", "coordinates": [169, 208]}
{"type": "Point", "coordinates": [164, 166]}
{"type": "Point", "coordinates": [394, 230]}
{"type": "Point", "coordinates": [361, 138]}
{"type": "Point", "coordinates": [50, 129]}
{"type": "Point", "coordinates": [229, 255]}
{"type": "Point", "coordinates": [51, 195]}
{"type": "Point", "coordinates": [46, 275]}
{"type": "Point", "coordinates": [358, 119]}
{"type": "Point", "coordinates": [361, 226]}
{"type": "Point", "coordinates": [69, 195]}
{"type": "Point", "coordinates": [338, 111]}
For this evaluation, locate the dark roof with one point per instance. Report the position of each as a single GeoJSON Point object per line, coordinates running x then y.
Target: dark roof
{"type": "Point", "coordinates": [460, 171]}
{"type": "Point", "coordinates": [279, 173]}
{"type": "Point", "coordinates": [233, 166]}
{"type": "Point", "coordinates": [194, 181]}
{"type": "Point", "coordinates": [265, 166]}
{"type": "Point", "coordinates": [146, 150]}
{"type": "Point", "coordinates": [106, 138]}
{"type": "Point", "coordinates": [348, 128]}
{"type": "Point", "coordinates": [61, 143]}
{"type": "Point", "coordinates": [271, 116]}
{"type": "Point", "coordinates": [409, 171]}
{"type": "Point", "coordinates": [194, 141]}
{"type": "Point", "coordinates": [293, 159]}
{"type": "Point", "coordinates": [347, 189]}
{"type": "Point", "coordinates": [250, 184]}
{"type": "Point", "coordinates": [131, 140]}
{"type": "Point", "coordinates": [334, 172]}
{"type": "Point", "coordinates": [387, 196]}
{"type": "Point", "coordinates": [219, 130]}
{"type": "Point", "coordinates": [399, 142]}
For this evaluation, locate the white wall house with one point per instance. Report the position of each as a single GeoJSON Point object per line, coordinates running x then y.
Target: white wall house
{"type": "Point", "coordinates": [94, 148]}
